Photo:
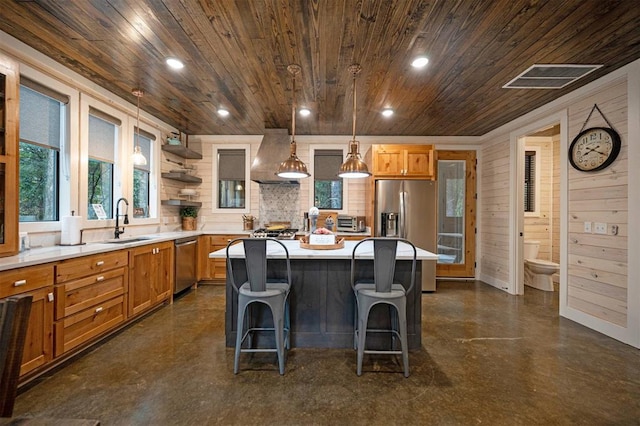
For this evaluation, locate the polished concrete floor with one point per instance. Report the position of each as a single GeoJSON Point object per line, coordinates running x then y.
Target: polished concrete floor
{"type": "Point", "coordinates": [487, 358]}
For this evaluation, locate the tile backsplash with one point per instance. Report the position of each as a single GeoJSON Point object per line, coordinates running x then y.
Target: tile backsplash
{"type": "Point", "coordinates": [280, 203]}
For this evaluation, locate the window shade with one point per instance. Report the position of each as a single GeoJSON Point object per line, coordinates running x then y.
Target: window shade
{"type": "Point", "coordinates": [231, 164]}
{"type": "Point", "coordinates": [326, 163]}
{"type": "Point", "coordinates": [44, 90]}
{"type": "Point", "coordinates": [104, 116]}
{"type": "Point", "coordinates": [40, 121]}
{"type": "Point", "coordinates": [102, 137]}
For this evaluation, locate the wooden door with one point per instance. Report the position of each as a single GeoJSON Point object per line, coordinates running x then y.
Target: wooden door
{"type": "Point", "coordinates": [418, 161]}
{"type": "Point", "coordinates": [456, 214]}
{"type": "Point", "coordinates": [38, 348]}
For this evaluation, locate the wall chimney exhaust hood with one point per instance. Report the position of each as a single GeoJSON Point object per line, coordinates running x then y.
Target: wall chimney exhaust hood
{"type": "Point", "coordinates": [273, 149]}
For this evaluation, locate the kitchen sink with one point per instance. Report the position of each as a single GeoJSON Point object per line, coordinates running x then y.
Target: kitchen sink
{"type": "Point", "coordinates": [127, 240]}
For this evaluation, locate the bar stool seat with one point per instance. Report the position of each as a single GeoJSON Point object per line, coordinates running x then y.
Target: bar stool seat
{"type": "Point", "coordinates": [272, 292]}
{"type": "Point", "coordinates": [382, 290]}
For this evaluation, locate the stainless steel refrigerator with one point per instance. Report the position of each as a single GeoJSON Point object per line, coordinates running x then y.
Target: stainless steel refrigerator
{"type": "Point", "coordinates": [408, 209]}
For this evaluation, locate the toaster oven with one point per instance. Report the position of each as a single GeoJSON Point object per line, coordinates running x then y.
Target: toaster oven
{"type": "Point", "coordinates": [348, 223]}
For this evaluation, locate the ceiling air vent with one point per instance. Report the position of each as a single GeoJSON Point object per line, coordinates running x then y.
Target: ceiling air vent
{"type": "Point", "coordinates": [547, 76]}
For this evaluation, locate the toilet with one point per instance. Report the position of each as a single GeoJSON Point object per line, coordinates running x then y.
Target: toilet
{"type": "Point", "coordinates": [538, 272]}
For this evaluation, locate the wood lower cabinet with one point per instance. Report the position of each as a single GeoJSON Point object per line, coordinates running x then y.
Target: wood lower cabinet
{"type": "Point", "coordinates": [402, 161]}
{"type": "Point", "coordinates": [151, 275]}
{"type": "Point", "coordinates": [213, 269]}
{"type": "Point", "coordinates": [36, 281]}
{"type": "Point", "coordinates": [91, 298]}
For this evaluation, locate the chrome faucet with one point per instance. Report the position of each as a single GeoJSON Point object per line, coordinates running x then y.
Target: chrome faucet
{"type": "Point", "coordinates": [126, 217]}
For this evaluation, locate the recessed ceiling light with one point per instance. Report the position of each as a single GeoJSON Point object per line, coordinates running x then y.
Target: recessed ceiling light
{"type": "Point", "coordinates": [305, 112]}
{"type": "Point", "coordinates": [174, 63]}
{"type": "Point", "coordinates": [387, 112]}
{"type": "Point", "coordinates": [420, 62]}
{"type": "Point", "coordinates": [223, 112]}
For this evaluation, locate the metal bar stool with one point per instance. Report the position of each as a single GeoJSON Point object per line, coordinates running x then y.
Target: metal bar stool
{"type": "Point", "coordinates": [382, 290]}
{"type": "Point", "coordinates": [273, 292]}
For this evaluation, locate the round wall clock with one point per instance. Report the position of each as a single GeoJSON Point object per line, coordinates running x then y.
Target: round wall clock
{"type": "Point", "coordinates": [594, 149]}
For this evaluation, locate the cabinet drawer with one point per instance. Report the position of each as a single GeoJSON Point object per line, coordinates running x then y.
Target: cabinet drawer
{"type": "Point", "coordinates": [223, 240]}
{"type": "Point", "coordinates": [90, 265]}
{"type": "Point", "coordinates": [23, 280]}
{"type": "Point", "coordinates": [75, 296]}
{"type": "Point", "coordinates": [77, 329]}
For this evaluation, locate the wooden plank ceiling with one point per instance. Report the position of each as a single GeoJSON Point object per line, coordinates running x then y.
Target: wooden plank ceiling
{"type": "Point", "coordinates": [236, 55]}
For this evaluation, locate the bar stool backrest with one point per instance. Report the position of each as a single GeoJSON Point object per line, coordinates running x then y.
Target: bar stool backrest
{"type": "Point", "coordinates": [255, 251]}
{"type": "Point", "coordinates": [384, 262]}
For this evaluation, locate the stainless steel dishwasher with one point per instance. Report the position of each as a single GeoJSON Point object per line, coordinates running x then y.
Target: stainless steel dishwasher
{"type": "Point", "coordinates": [186, 263]}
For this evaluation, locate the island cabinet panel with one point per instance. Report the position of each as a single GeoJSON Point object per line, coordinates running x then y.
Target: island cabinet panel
{"type": "Point", "coordinates": [36, 281]}
{"type": "Point", "coordinates": [151, 277]}
{"type": "Point", "coordinates": [323, 306]}
{"type": "Point", "coordinates": [402, 161]}
{"type": "Point", "coordinates": [91, 295]}
{"type": "Point", "coordinates": [213, 269]}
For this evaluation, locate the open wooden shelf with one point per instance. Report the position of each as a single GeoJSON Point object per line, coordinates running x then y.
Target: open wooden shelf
{"type": "Point", "coordinates": [182, 177]}
{"type": "Point", "coordinates": [181, 203]}
{"type": "Point", "coordinates": [182, 151]}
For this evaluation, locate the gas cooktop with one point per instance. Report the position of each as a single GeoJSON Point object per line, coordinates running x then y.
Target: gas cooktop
{"type": "Point", "coordinates": [281, 234]}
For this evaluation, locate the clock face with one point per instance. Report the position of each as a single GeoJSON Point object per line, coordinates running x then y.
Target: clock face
{"type": "Point", "coordinates": [594, 149]}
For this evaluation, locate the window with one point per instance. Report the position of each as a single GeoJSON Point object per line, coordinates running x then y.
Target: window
{"type": "Point", "coordinates": [530, 181]}
{"type": "Point", "coordinates": [43, 128]}
{"type": "Point", "coordinates": [103, 133]}
{"type": "Point", "coordinates": [232, 183]}
{"type": "Point", "coordinates": [142, 174]}
{"type": "Point", "coordinates": [327, 186]}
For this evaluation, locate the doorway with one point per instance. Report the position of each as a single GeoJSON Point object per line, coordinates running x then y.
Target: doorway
{"type": "Point", "coordinates": [538, 208]}
{"type": "Point", "coordinates": [456, 227]}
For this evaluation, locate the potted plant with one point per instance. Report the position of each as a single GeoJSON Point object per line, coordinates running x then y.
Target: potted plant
{"type": "Point", "coordinates": [189, 215]}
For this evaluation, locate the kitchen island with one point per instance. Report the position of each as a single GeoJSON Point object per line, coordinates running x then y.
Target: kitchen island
{"type": "Point", "coordinates": [321, 299]}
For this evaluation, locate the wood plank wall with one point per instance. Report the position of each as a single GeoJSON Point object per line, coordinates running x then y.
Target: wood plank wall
{"type": "Point", "coordinates": [493, 219]}
{"type": "Point", "coordinates": [597, 264]}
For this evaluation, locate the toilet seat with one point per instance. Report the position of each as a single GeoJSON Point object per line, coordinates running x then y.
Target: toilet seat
{"type": "Point", "coordinates": [542, 262]}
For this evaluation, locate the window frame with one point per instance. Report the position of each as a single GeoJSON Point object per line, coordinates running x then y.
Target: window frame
{"type": "Point", "coordinates": [153, 161]}
{"type": "Point", "coordinates": [247, 178]}
{"type": "Point", "coordinates": [122, 162]}
{"type": "Point", "coordinates": [68, 175]}
{"type": "Point", "coordinates": [536, 186]}
{"type": "Point", "coordinates": [311, 166]}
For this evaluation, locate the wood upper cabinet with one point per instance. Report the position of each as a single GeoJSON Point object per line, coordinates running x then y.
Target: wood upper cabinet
{"type": "Point", "coordinates": [403, 161]}
{"type": "Point", "coordinates": [36, 281]}
{"type": "Point", "coordinates": [9, 125]}
{"type": "Point", "coordinates": [213, 269]}
{"type": "Point", "coordinates": [91, 298]}
{"type": "Point", "coordinates": [151, 275]}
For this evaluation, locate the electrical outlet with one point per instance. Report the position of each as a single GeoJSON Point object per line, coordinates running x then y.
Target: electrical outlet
{"type": "Point", "coordinates": [600, 228]}
{"type": "Point", "coordinates": [587, 227]}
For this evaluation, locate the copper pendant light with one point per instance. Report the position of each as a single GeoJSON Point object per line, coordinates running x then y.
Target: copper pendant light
{"type": "Point", "coordinates": [354, 167]}
{"type": "Point", "coordinates": [293, 167]}
{"type": "Point", "coordinates": [138, 157]}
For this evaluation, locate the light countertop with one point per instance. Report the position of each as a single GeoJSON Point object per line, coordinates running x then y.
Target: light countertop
{"type": "Point", "coordinates": [365, 251]}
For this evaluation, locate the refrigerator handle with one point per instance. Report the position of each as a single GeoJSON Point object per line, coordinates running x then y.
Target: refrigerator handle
{"type": "Point", "coordinates": [403, 214]}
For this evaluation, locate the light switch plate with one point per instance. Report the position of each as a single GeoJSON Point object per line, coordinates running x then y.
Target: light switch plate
{"type": "Point", "coordinates": [587, 227]}
{"type": "Point", "coordinates": [600, 228]}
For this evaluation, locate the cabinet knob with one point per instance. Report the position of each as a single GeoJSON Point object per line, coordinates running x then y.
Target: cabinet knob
{"type": "Point", "coordinates": [100, 263]}
{"type": "Point", "coordinates": [19, 283]}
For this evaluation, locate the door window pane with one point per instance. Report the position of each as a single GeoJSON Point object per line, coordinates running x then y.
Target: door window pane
{"type": "Point", "coordinates": [530, 181]}
{"type": "Point", "coordinates": [451, 224]}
